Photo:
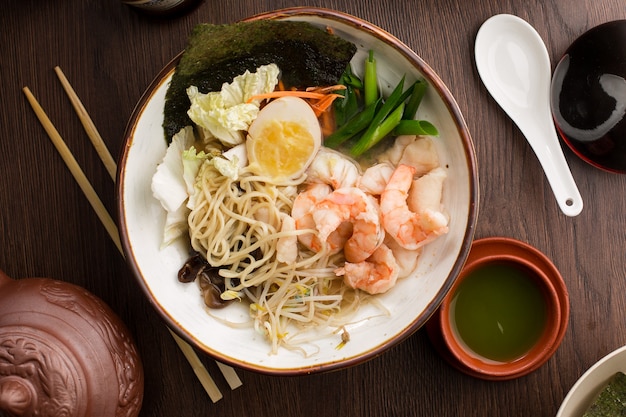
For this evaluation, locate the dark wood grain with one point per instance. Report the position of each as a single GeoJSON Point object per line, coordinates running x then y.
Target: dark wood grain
{"type": "Point", "coordinates": [111, 53]}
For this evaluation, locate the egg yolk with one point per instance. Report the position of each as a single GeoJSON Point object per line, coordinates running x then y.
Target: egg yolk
{"type": "Point", "coordinates": [282, 148]}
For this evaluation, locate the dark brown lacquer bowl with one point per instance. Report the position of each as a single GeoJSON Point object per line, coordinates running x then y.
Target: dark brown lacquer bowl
{"type": "Point", "coordinates": [589, 96]}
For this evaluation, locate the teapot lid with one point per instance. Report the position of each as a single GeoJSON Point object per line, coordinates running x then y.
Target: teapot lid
{"type": "Point", "coordinates": [63, 351]}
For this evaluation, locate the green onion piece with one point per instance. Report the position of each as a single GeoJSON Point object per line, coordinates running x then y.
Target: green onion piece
{"type": "Point", "coordinates": [356, 124]}
{"type": "Point", "coordinates": [395, 98]}
{"type": "Point", "coordinates": [419, 89]}
{"type": "Point", "coordinates": [406, 94]}
{"type": "Point", "coordinates": [415, 127]}
{"type": "Point", "coordinates": [380, 131]}
{"type": "Point", "coordinates": [349, 78]}
{"type": "Point", "coordinates": [351, 103]}
{"type": "Point", "coordinates": [347, 107]}
{"type": "Point", "coordinates": [370, 80]}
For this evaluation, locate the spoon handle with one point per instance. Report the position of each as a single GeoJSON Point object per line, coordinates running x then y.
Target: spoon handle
{"type": "Point", "coordinates": [543, 139]}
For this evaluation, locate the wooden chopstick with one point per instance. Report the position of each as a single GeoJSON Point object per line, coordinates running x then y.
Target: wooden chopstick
{"type": "Point", "coordinates": [198, 368]}
{"type": "Point", "coordinates": [90, 127]}
{"type": "Point", "coordinates": [75, 169]}
{"type": "Point", "coordinates": [205, 379]}
{"type": "Point", "coordinates": [229, 373]}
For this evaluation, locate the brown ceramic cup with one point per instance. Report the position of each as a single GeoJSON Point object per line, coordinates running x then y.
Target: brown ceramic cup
{"type": "Point", "coordinates": [537, 267]}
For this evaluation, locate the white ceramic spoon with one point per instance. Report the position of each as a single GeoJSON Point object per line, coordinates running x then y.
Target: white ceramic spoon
{"type": "Point", "coordinates": [514, 65]}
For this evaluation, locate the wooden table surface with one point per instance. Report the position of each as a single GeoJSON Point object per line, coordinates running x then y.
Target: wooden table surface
{"type": "Point", "coordinates": [110, 54]}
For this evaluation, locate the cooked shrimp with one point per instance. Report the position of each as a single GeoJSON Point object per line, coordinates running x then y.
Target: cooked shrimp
{"type": "Point", "coordinates": [410, 229]}
{"type": "Point", "coordinates": [351, 205]}
{"type": "Point", "coordinates": [302, 213]}
{"type": "Point", "coordinates": [307, 199]}
{"type": "Point", "coordinates": [262, 214]}
{"type": "Point", "coordinates": [421, 154]}
{"type": "Point", "coordinates": [333, 168]}
{"type": "Point", "coordinates": [375, 275]}
{"type": "Point", "coordinates": [405, 258]}
{"type": "Point", "coordinates": [374, 179]}
{"type": "Point", "coordinates": [426, 191]}
{"type": "Point", "coordinates": [416, 151]}
{"type": "Point", "coordinates": [287, 246]}
{"type": "Point", "coordinates": [395, 151]}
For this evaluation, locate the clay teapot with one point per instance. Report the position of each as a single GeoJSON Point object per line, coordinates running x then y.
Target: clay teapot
{"type": "Point", "coordinates": [64, 352]}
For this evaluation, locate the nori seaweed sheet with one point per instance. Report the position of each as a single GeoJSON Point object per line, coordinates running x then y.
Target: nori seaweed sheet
{"type": "Point", "coordinates": [215, 54]}
{"type": "Point", "coordinates": [611, 402]}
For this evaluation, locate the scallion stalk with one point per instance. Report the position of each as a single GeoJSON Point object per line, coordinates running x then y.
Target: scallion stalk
{"type": "Point", "coordinates": [419, 89]}
{"type": "Point", "coordinates": [356, 124]}
{"type": "Point", "coordinates": [370, 80]}
{"type": "Point", "coordinates": [379, 132]}
{"type": "Point", "coordinates": [415, 127]}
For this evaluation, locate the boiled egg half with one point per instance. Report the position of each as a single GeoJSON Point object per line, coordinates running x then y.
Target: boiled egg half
{"type": "Point", "coordinates": [283, 139]}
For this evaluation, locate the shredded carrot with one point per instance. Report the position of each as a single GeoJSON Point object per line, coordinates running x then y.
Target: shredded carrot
{"type": "Point", "coordinates": [293, 93]}
{"type": "Point", "coordinates": [318, 93]}
{"type": "Point", "coordinates": [327, 123]}
{"type": "Point", "coordinates": [323, 104]}
{"type": "Point", "coordinates": [319, 98]}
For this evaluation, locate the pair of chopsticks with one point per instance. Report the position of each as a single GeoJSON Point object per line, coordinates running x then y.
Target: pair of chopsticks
{"type": "Point", "coordinates": [202, 374]}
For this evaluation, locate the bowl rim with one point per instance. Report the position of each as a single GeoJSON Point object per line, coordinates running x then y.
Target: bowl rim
{"type": "Point", "coordinates": [469, 154]}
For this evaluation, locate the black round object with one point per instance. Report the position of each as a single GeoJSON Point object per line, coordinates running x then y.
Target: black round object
{"type": "Point", "coordinates": [589, 96]}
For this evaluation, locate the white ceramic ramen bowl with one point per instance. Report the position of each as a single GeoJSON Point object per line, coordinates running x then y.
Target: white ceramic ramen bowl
{"type": "Point", "coordinates": [410, 303]}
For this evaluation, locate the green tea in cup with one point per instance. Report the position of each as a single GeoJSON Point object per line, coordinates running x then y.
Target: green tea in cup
{"type": "Point", "coordinates": [498, 311]}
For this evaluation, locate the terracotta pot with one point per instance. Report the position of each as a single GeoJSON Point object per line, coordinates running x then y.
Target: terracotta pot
{"type": "Point", "coordinates": [64, 352]}
{"type": "Point", "coordinates": [542, 271]}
